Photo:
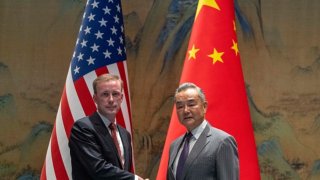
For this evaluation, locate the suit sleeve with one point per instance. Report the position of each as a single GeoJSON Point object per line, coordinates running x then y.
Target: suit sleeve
{"type": "Point", "coordinates": [227, 160]}
{"type": "Point", "coordinates": [85, 148]}
{"type": "Point", "coordinates": [169, 170]}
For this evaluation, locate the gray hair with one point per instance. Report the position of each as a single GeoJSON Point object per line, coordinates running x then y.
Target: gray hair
{"type": "Point", "coordinates": [189, 85]}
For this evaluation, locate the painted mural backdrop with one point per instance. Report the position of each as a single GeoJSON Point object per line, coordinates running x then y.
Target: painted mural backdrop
{"type": "Point", "coordinates": [279, 46]}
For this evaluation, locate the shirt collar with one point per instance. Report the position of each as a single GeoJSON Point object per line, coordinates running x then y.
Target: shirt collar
{"type": "Point", "coordinates": [105, 120]}
{"type": "Point", "coordinates": [196, 132]}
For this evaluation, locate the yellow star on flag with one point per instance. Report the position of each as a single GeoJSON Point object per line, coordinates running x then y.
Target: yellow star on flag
{"type": "Point", "coordinates": [216, 56]}
{"type": "Point", "coordinates": [192, 53]}
{"type": "Point", "coordinates": [210, 3]}
{"type": "Point", "coordinates": [235, 47]}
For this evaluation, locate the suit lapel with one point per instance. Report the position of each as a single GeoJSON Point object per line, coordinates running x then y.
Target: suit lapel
{"type": "Point", "coordinates": [197, 148]}
{"type": "Point", "coordinates": [100, 127]}
{"type": "Point", "coordinates": [125, 144]}
{"type": "Point", "coordinates": [175, 150]}
{"type": "Point", "coordinates": [103, 131]}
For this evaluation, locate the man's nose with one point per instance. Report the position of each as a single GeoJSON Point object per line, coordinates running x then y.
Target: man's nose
{"type": "Point", "coordinates": [186, 108]}
{"type": "Point", "coordinates": [110, 98]}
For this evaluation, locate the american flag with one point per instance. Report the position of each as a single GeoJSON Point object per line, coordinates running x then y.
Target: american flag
{"type": "Point", "coordinates": [99, 49]}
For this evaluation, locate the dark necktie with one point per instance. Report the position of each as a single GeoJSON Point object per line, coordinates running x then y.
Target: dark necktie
{"type": "Point", "coordinates": [113, 129]}
{"type": "Point", "coordinates": [183, 156]}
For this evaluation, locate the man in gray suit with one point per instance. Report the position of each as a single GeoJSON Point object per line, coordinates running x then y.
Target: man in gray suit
{"type": "Point", "coordinates": [204, 152]}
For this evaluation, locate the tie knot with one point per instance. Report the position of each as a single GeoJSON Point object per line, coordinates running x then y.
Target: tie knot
{"type": "Point", "coordinates": [188, 136]}
{"type": "Point", "coordinates": [112, 126]}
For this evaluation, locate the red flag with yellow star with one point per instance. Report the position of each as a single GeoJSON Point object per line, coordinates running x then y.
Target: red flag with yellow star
{"type": "Point", "coordinates": [213, 63]}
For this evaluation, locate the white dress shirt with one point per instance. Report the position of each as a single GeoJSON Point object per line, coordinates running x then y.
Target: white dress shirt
{"type": "Point", "coordinates": [107, 123]}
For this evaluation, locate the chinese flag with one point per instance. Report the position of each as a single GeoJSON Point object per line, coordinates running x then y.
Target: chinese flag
{"type": "Point", "coordinates": [213, 63]}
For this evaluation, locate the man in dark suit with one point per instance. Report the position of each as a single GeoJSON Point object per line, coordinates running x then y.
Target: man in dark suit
{"type": "Point", "coordinates": [99, 148]}
{"type": "Point", "coordinates": [204, 152]}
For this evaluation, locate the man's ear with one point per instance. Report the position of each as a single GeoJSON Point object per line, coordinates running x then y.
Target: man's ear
{"type": "Point", "coordinates": [205, 106]}
{"type": "Point", "coordinates": [122, 97]}
{"type": "Point", "coordinates": [94, 97]}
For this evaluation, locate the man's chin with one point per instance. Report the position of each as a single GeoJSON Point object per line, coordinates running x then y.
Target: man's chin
{"type": "Point", "coordinates": [188, 121]}
{"type": "Point", "coordinates": [111, 112]}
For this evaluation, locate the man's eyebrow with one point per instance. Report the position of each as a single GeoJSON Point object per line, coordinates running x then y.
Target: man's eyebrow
{"type": "Point", "coordinates": [189, 100]}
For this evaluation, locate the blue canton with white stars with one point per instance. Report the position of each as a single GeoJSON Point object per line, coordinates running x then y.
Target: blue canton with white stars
{"type": "Point", "coordinates": [101, 38]}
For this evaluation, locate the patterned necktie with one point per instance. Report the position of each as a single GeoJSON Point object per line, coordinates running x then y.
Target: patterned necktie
{"type": "Point", "coordinates": [113, 129]}
{"type": "Point", "coordinates": [183, 156]}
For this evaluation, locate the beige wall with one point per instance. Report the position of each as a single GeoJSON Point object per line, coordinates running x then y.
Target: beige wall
{"type": "Point", "coordinates": [280, 57]}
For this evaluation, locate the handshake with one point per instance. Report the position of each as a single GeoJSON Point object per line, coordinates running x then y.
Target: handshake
{"type": "Point", "coordinates": [140, 178]}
